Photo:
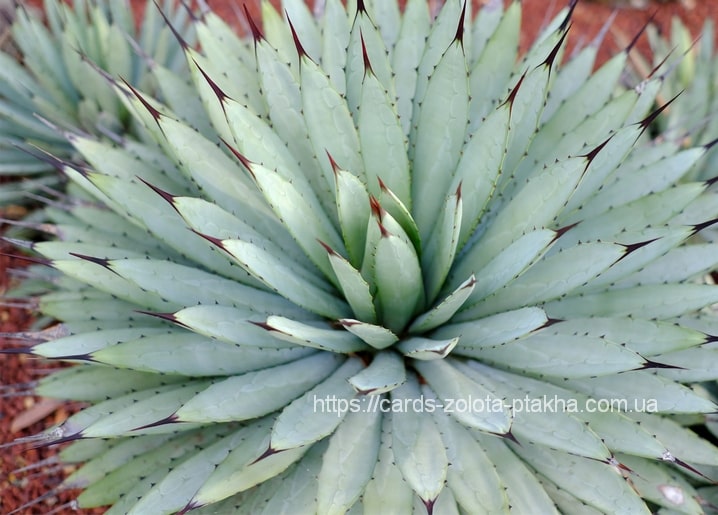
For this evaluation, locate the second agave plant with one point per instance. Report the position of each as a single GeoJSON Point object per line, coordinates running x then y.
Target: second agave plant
{"type": "Point", "coordinates": [53, 83]}
{"type": "Point", "coordinates": [408, 272]}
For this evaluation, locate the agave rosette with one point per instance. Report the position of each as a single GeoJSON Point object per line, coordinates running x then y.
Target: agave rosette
{"type": "Point", "coordinates": [394, 213]}
{"type": "Point", "coordinates": [54, 82]}
{"type": "Point", "coordinates": [688, 67]}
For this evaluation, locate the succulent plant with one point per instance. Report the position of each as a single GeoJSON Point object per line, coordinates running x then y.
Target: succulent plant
{"type": "Point", "coordinates": [410, 272]}
{"type": "Point", "coordinates": [53, 82]}
{"type": "Point", "coordinates": [689, 72]}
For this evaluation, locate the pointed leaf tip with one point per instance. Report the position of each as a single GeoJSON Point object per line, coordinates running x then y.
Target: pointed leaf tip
{"type": "Point", "coordinates": [169, 197]}
{"type": "Point", "coordinates": [563, 230]}
{"type": "Point", "coordinates": [632, 247]}
{"type": "Point", "coordinates": [85, 59]}
{"type": "Point", "coordinates": [660, 65]}
{"type": "Point", "coordinates": [192, 505]}
{"type": "Point", "coordinates": [172, 419]}
{"type": "Point", "coordinates": [509, 435]}
{"type": "Point", "coordinates": [376, 208]}
{"type": "Point", "coordinates": [297, 43]}
{"type": "Point", "coordinates": [365, 55]}
{"type": "Point", "coordinates": [332, 162]}
{"type": "Point", "coordinates": [549, 322]}
{"type": "Point", "coordinates": [649, 364]}
{"type": "Point", "coordinates": [76, 357]}
{"type": "Point", "coordinates": [710, 144]}
{"type": "Point", "coordinates": [34, 260]}
{"type": "Point", "coordinates": [593, 153]}
{"type": "Point", "coordinates": [153, 112]}
{"type": "Point", "coordinates": [551, 58]}
{"type": "Point", "coordinates": [459, 36]}
{"type": "Point", "coordinates": [105, 263]}
{"type": "Point", "coordinates": [264, 325]}
{"type": "Point", "coordinates": [174, 31]}
{"type": "Point", "coordinates": [514, 92]}
{"type": "Point", "coordinates": [82, 170]}
{"type": "Point", "coordinates": [48, 158]}
{"type": "Point", "coordinates": [710, 182]}
{"type": "Point", "coordinates": [15, 242]}
{"type": "Point", "coordinates": [170, 317]}
{"type": "Point", "coordinates": [242, 158]}
{"type": "Point", "coordinates": [190, 11]}
{"type": "Point", "coordinates": [59, 441]}
{"type": "Point", "coordinates": [635, 39]}
{"type": "Point", "coordinates": [699, 227]}
{"type": "Point", "coordinates": [211, 239]}
{"type": "Point", "coordinates": [565, 24]}
{"type": "Point", "coordinates": [648, 120]}
{"type": "Point", "coordinates": [219, 92]}
{"type": "Point", "coordinates": [692, 469]}
{"type": "Point", "coordinates": [256, 32]}
{"type": "Point", "coordinates": [266, 454]}
{"type": "Point", "coordinates": [17, 350]}
{"type": "Point", "coordinates": [329, 250]}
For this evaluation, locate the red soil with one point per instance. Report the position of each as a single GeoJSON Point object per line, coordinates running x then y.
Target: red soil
{"type": "Point", "coordinates": [24, 416]}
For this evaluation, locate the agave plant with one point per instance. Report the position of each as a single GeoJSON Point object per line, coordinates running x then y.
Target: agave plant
{"type": "Point", "coordinates": [411, 272]}
{"type": "Point", "coordinates": [53, 80]}
{"type": "Point", "coordinates": [689, 70]}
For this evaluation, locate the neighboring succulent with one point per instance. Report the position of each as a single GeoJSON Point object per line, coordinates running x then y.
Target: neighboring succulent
{"type": "Point", "coordinates": [396, 213]}
{"type": "Point", "coordinates": [689, 70]}
{"type": "Point", "coordinates": [53, 81]}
